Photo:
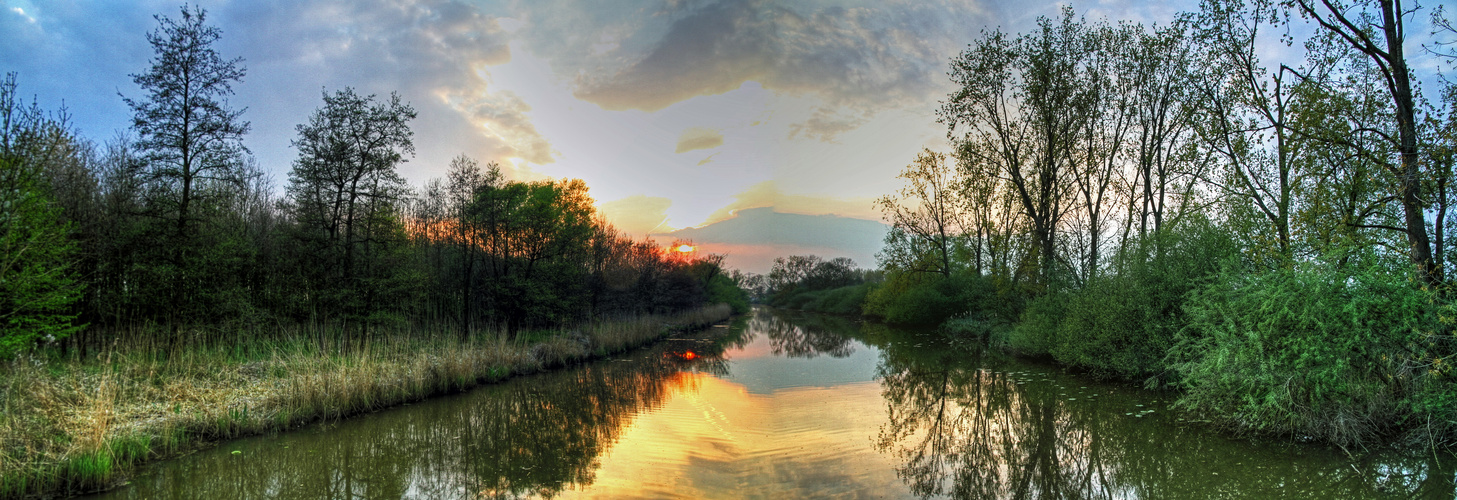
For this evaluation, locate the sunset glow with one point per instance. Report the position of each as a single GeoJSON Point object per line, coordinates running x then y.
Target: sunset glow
{"type": "Point", "coordinates": [685, 249]}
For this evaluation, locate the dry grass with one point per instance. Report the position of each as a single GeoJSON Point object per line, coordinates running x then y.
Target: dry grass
{"type": "Point", "coordinates": [69, 426]}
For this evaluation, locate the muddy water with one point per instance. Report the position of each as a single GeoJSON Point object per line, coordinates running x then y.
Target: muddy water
{"type": "Point", "coordinates": [781, 405]}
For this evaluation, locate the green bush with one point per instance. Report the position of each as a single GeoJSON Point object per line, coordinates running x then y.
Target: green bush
{"type": "Point", "coordinates": [37, 282]}
{"type": "Point", "coordinates": [931, 299]}
{"type": "Point", "coordinates": [843, 300]}
{"type": "Point", "coordinates": [1316, 350]}
{"type": "Point", "coordinates": [721, 289]}
{"type": "Point", "coordinates": [1036, 333]}
{"type": "Point", "coordinates": [928, 299]}
{"type": "Point", "coordinates": [1123, 325]}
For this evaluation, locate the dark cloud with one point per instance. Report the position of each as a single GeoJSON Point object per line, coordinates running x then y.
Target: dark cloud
{"type": "Point", "coordinates": [858, 59]}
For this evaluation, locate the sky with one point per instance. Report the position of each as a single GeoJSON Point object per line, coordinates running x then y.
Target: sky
{"type": "Point", "coordinates": [676, 113]}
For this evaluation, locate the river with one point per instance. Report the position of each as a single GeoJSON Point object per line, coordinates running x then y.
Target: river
{"type": "Point", "coordinates": [787, 405]}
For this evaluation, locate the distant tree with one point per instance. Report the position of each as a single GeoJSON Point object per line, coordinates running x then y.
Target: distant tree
{"type": "Point", "coordinates": [833, 273]}
{"type": "Point", "coordinates": [787, 272]}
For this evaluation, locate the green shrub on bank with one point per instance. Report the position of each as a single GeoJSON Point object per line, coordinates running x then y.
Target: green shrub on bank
{"type": "Point", "coordinates": [842, 300]}
{"type": "Point", "coordinates": [931, 299]}
{"type": "Point", "coordinates": [1036, 333]}
{"type": "Point", "coordinates": [1123, 325]}
{"type": "Point", "coordinates": [1336, 354]}
{"type": "Point", "coordinates": [723, 290]}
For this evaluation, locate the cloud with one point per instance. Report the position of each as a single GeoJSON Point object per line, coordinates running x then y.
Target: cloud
{"type": "Point", "coordinates": [768, 194]}
{"type": "Point", "coordinates": [826, 124]}
{"type": "Point", "coordinates": [502, 115]}
{"type": "Point", "coordinates": [638, 214]}
{"type": "Point", "coordinates": [698, 138]}
{"type": "Point", "coordinates": [861, 59]}
{"type": "Point", "coordinates": [435, 53]}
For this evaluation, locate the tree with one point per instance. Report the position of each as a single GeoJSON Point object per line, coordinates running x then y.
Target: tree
{"type": "Point", "coordinates": [537, 238]}
{"type": "Point", "coordinates": [465, 179]}
{"type": "Point", "coordinates": [1381, 37]}
{"type": "Point", "coordinates": [927, 217]}
{"type": "Point", "coordinates": [1160, 69]}
{"type": "Point", "coordinates": [190, 144]}
{"type": "Point", "coordinates": [344, 190]}
{"type": "Point", "coordinates": [187, 132]}
{"type": "Point", "coordinates": [37, 283]}
{"type": "Point", "coordinates": [1246, 120]}
{"type": "Point", "coordinates": [1020, 108]}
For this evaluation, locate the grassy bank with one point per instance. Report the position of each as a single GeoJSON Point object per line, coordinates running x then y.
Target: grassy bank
{"type": "Point", "coordinates": [69, 426]}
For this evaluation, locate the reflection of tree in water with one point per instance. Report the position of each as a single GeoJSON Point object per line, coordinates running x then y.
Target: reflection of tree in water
{"type": "Point", "coordinates": [803, 336]}
{"type": "Point", "coordinates": [966, 432]}
{"type": "Point", "coordinates": [533, 436]}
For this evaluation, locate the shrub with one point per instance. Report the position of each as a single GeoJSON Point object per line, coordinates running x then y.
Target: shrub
{"type": "Point", "coordinates": [721, 289]}
{"type": "Point", "coordinates": [1315, 350]}
{"type": "Point", "coordinates": [842, 300]}
{"type": "Point", "coordinates": [1124, 325]}
{"type": "Point", "coordinates": [1036, 333]}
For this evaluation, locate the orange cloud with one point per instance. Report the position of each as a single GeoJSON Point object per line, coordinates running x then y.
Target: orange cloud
{"type": "Point", "coordinates": [638, 214]}
{"type": "Point", "coordinates": [699, 138]}
{"type": "Point", "coordinates": [767, 194]}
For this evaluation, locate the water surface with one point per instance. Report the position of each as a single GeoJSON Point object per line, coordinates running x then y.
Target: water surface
{"type": "Point", "coordinates": [785, 405]}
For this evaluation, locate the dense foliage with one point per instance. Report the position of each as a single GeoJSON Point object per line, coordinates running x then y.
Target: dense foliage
{"type": "Point", "coordinates": [1158, 204]}
{"type": "Point", "coordinates": [1334, 353]}
{"type": "Point", "coordinates": [811, 283]}
{"type": "Point", "coordinates": [37, 279]}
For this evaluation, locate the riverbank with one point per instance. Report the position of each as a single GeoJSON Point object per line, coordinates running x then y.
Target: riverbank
{"type": "Point", "coordinates": [80, 425]}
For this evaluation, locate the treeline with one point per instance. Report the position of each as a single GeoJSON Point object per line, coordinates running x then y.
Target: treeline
{"type": "Point", "coordinates": [811, 283]}
{"type": "Point", "coordinates": [1159, 204]}
{"type": "Point", "coordinates": [172, 224]}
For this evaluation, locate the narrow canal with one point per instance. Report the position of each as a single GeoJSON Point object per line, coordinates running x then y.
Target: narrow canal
{"type": "Point", "coordinates": [788, 405]}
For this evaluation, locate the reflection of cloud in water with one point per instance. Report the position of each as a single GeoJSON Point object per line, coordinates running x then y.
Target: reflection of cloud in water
{"type": "Point", "coordinates": [725, 442]}
{"type": "Point", "coordinates": [777, 351]}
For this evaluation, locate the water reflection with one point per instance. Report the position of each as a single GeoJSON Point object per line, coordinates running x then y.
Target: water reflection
{"type": "Point", "coordinates": [967, 425]}
{"type": "Point", "coordinates": [802, 335]}
{"type": "Point", "coordinates": [532, 437]}
{"type": "Point", "coordinates": [787, 405]}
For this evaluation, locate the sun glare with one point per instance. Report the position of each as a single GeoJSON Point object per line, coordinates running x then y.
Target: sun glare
{"type": "Point", "coordinates": [685, 248]}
